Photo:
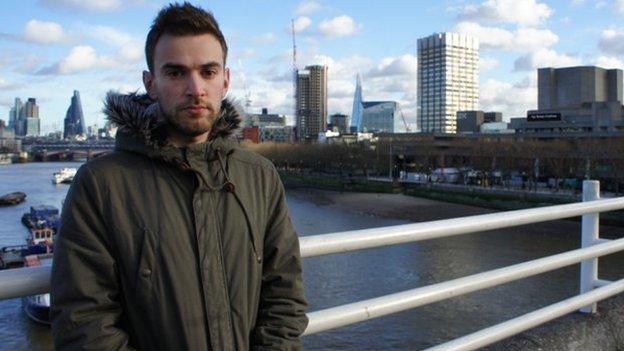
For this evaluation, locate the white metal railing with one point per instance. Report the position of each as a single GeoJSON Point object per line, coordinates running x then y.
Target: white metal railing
{"type": "Point", "coordinates": [21, 282]}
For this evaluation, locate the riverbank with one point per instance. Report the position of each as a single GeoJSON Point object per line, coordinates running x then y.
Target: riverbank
{"type": "Point", "coordinates": [499, 199]}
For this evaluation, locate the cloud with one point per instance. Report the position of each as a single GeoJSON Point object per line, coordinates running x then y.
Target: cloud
{"type": "Point", "coordinates": [90, 5]}
{"type": "Point", "coordinates": [513, 100]}
{"type": "Point", "coordinates": [129, 48]}
{"type": "Point", "coordinates": [577, 2]}
{"type": "Point", "coordinates": [612, 41]}
{"type": "Point", "coordinates": [80, 58]}
{"type": "Point", "coordinates": [488, 64]}
{"type": "Point", "coordinates": [522, 12]}
{"type": "Point", "coordinates": [42, 32]}
{"type": "Point", "coordinates": [341, 26]}
{"type": "Point", "coordinates": [394, 66]}
{"type": "Point", "coordinates": [263, 39]}
{"type": "Point", "coordinates": [609, 62]}
{"type": "Point", "coordinates": [6, 85]}
{"type": "Point", "coordinates": [307, 8]}
{"type": "Point", "coordinates": [301, 23]}
{"type": "Point", "coordinates": [522, 39]}
{"type": "Point", "coordinates": [545, 58]}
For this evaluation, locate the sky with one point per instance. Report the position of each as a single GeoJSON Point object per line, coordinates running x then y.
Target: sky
{"type": "Point", "coordinates": [49, 48]}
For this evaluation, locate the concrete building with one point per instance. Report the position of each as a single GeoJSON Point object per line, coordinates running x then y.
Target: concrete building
{"type": "Point", "coordinates": [278, 134]}
{"type": "Point", "coordinates": [448, 80]}
{"type": "Point", "coordinates": [584, 99]}
{"type": "Point", "coordinates": [74, 119]}
{"type": "Point", "coordinates": [339, 123]}
{"type": "Point", "coordinates": [311, 102]}
{"type": "Point", "coordinates": [266, 119]}
{"type": "Point", "coordinates": [471, 121]}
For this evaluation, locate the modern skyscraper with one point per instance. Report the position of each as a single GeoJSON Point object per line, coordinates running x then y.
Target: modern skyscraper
{"type": "Point", "coordinates": [311, 102]}
{"type": "Point", "coordinates": [14, 115]}
{"type": "Point", "coordinates": [74, 119]}
{"type": "Point", "coordinates": [448, 80]}
{"type": "Point", "coordinates": [358, 109]}
{"type": "Point", "coordinates": [28, 121]}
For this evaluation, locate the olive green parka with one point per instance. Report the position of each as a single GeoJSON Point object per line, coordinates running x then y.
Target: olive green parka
{"type": "Point", "coordinates": [165, 248]}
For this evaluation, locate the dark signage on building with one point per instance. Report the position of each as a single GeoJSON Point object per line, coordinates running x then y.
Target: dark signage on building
{"type": "Point", "coordinates": [543, 117]}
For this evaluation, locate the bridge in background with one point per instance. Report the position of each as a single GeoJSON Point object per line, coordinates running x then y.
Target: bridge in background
{"type": "Point", "coordinates": [69, 150]}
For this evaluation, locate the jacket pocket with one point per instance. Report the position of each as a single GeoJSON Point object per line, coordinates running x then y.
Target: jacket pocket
{"type": "Point", "coordinates": [145, 275]}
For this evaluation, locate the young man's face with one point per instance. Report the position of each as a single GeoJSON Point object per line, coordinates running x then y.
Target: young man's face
{"type": "Point", "coordinates": [189, 81]}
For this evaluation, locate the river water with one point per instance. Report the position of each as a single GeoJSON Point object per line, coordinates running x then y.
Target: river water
{"type": "Point", "coordinates": [338, 279]}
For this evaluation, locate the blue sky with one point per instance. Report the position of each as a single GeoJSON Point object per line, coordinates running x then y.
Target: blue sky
{"type": "Point", "coordinates": [48, 48]}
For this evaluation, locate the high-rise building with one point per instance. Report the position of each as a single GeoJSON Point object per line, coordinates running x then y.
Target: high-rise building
{"type": "Point", "coordinates": [74, 119]}
{"type": "Point", "coordinates": [448, 80]}
{"type": "Point", "coordinates": [28, 122]}
{"type": "Point", "coordinates": [339, 122]}
{"type": "Point", "coordinates": [358, 108]}
{"type": "Point", "coordinates": [14, 115]}
{"type": "Point", "coordinates": [311, 102]}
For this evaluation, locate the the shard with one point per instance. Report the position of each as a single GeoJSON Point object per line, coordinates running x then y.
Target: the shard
{"type": "Point", "coordinates": [358, 108]}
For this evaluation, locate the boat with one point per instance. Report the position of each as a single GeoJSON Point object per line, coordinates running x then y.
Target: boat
{"type": "Point", "coordinates": [64, 175]}
{"type": "Point", "coordinates": [37, 307]}
{"type": "Point", "coordinates": [12, 198]}
{"type": "Point", "coordinates": [5, 159]}
{"type": "Point", "coordinates": [41, 218]}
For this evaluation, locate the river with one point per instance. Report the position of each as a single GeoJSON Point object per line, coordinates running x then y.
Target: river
{"type": "Point", "coordinates": [337, 279]}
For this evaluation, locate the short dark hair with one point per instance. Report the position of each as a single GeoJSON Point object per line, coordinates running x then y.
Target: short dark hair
{"type": "Point", "coordinates": [181, 20]}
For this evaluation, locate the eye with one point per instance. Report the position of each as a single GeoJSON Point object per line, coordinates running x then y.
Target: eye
{"type": "Point", "coordinates": [174, 74]}
{"type": "Point", "coordinates": [209, 72]}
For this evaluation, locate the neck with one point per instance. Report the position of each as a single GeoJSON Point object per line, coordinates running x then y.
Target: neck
{"type": "Point", "coordinates": [182, 140]}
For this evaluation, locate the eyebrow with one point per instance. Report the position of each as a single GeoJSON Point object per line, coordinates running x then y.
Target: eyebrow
{"type": "Point", "coordinates": [177, 66]}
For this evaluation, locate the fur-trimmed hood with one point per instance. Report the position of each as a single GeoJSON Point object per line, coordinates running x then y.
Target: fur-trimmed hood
{"type": "Point", "coordinates": [142, 129]}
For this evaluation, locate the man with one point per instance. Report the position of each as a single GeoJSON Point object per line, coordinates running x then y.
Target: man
{"type": "Point", "coordinates": [178, 240]}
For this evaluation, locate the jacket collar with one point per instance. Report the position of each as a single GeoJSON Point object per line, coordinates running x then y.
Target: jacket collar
{"type": "Point", "coordinates": [142, 128]}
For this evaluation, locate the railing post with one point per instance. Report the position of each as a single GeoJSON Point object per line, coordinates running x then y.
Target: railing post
{"type": "Point", "coordinates": [589, 236]}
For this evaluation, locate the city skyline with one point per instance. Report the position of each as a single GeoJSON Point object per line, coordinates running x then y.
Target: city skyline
{"type": "Point", "coordinates": [49, 48]}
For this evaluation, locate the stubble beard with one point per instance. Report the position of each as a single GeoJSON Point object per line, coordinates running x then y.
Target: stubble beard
{"type": "Point", "coordinates": [181, 123]}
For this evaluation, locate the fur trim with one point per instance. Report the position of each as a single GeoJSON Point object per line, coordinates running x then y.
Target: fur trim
{"type": "Point", "coordinates": [138, 115]}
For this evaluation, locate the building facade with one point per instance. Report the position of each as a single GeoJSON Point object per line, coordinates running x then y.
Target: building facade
{"type": "Point", "coordinates": [583, 99]}
{"type": "Point", "coordinates": [379, 116]}
{"type": "Point", "coordinates": [356, 113]}
{"type": "Point", "coordinates": [14, 115]}
{"type": "Point", "coordinates": [74, 119]}
{"type": "Point", "coordinates": [339, 123]}
{"type": "Point", "coordinates": [448, 80]}
{"type": "Point", "coordinates": [311, 102]}
{"type": "Point", "coordinates": [29, 124]}
{"type": "Point", "coordinates": [472, 121]}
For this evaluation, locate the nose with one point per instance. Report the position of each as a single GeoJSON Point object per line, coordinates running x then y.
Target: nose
{"type": "Point", "coordinates": [195, 85]}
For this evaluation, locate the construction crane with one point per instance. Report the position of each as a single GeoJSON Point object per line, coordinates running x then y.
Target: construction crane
{"type": "Point", "coordinates": [292, 21]}
{"type": "Point", "coordinates": [407, 127]}
{"type": "Point", "coordinates": [248, 100]}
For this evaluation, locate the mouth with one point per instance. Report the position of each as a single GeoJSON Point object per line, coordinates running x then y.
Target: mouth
{"type": "Point", "coordinates": [195, 109]}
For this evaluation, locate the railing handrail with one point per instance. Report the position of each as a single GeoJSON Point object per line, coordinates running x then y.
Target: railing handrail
{"type": "Point", "coordinates": [323, 244]}
{"type": "Point", "coordinates": [360, 311]}
{"type": "Point", "coordinates": [35, 280]}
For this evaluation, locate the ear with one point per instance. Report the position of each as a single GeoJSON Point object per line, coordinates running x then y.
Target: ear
{"type": "Point", "coordinates": [226, 82]}
{"type": "Point", "coordinates": [148, 82]}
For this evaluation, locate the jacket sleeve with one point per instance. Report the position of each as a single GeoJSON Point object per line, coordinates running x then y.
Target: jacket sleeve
{"type": "Point", "coordinates": [85, 294]}
{"type": "Point", "coordinates": [281, 314]}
